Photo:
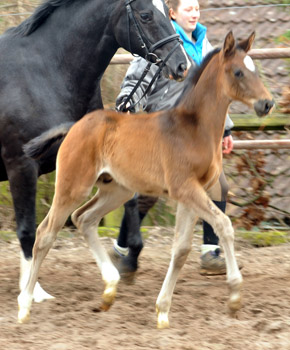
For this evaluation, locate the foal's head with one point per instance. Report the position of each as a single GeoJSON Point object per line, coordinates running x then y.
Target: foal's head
{"type": "Point", "coordinates": [239, 77]}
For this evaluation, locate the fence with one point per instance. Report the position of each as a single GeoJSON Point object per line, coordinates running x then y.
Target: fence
{"type": "Point", "coordinates": [251, 178]}
{"type": "Point", "coordinates": [255, 54]}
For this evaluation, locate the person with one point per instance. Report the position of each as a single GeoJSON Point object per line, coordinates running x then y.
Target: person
{"type": "Point", "coordinates": [164, 93]}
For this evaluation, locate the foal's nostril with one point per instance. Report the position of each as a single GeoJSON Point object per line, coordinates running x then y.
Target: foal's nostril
{"type": "Point", "coordinates": [268, 106]}
{"type": "Point", "coordinates": [263, 107]}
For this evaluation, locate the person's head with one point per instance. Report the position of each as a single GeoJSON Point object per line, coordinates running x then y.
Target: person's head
{"type": "Point", "coordinates": [185, 12]}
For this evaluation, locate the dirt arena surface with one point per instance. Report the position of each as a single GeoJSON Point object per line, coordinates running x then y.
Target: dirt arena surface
{"type": "Point", "coordinates": [199, 319]}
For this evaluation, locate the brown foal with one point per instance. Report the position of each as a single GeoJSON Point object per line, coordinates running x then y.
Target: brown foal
{"type": "Point", "coordinates": [175, 153]}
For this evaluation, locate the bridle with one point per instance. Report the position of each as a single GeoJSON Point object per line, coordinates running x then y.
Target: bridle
{"type": "Point", "coordinates": [150, 56]}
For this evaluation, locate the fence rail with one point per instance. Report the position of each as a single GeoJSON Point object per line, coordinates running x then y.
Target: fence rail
{"type": "Point", "coordinates": [255, 54]}
{"type": "Point", "coordinates": [262, 144]}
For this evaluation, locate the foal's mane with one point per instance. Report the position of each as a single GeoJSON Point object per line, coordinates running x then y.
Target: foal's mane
{"type": "Point", "coordinates": [195, 73]}
{"type": "Point", "coordinates": [40, 15]}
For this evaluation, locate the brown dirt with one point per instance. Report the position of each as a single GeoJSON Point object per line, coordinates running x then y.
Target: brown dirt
{"type": "Point", "coordinates": [199, 319]}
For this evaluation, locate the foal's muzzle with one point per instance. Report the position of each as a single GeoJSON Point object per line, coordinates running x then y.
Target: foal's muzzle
{"type": "Point", "coordinates": [263, 107]}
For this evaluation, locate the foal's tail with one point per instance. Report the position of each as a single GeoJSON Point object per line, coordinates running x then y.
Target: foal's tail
{"type": "Point", "coordinates": [40, 145]}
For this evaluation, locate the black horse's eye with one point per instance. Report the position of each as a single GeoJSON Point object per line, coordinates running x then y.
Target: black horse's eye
{"type": "Point", "coordinates": [146, 16]}
{"type": "Point", "coordinates": [238, 73]}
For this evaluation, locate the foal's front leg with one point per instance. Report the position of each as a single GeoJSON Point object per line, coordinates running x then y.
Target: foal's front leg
{"type": "Point", "coordinates": [223, 228]}
{"type": "Point", "coordinates": [109, 197]}
{"type": "Point", "coordinates": [185, 222]}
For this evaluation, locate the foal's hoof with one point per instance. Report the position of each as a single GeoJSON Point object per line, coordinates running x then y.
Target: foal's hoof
{"type": "Point", "coordinates": [24, 305]}
{"type": "Point", "coordinates": [23, 316]}
{"type": "Point", "coordinates": [234, 304]}
{"type": "Point", "coordinates": [109, 296]}
{"type": "Point", "coordinates": [105, 307]}
{"type": "Point", "coordinates": [162, 319]}
{"type": "Point", "coordinates": [235, 300]}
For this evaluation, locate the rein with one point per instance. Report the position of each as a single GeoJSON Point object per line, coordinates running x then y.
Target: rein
{"type": "Point", "coordinates": [150, 56]}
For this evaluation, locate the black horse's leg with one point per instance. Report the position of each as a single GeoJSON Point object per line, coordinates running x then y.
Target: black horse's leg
{"type": "Point", "coordinates": [22, 175]}
{"type": "Point", "coordinates": [129, 242]}
{"type": "Point", "coordinates": [130, 235]}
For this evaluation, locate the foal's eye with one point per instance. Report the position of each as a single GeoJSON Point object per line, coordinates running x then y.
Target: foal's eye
{"type": "Point", "coordinates": [238, 73]}
{"type": "Point", "coordinates": [146, 16]}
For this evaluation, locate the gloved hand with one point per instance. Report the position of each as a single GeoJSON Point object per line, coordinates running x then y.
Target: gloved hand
{"type": "Point", "coordinates": [120, 105]}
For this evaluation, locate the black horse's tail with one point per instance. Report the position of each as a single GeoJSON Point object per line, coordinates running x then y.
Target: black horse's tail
{"type": "Point", "coordinates": [40, 145]}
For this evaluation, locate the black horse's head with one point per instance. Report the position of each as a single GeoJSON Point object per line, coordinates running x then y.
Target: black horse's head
{"type": "Point", "coordinates": [151, 35]}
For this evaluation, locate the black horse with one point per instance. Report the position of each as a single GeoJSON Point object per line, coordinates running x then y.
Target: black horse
{"type": "Point", "coordinates": [50, 71]}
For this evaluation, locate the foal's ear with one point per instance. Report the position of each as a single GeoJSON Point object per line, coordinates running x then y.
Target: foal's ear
{"type": "Point", "coordinates": [247, 43]}
{"type": "Point", "coordinates": [229, 44]}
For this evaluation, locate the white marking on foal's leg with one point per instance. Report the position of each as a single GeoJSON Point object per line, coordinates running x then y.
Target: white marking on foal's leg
{"type": "Point", "coordinates": [39, 294]}
{"type": "Point", "coordinates": [185, 221]}
{"type": "Point", "coordinates": [24, 305]}
{"type": "Point", "coordinates": [111, 278]}
{"type": "Point", "coordinates": [234, 278]}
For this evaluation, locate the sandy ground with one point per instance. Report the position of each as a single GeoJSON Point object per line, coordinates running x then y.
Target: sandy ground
{"type": "Point", "coordinates": [198, 318]}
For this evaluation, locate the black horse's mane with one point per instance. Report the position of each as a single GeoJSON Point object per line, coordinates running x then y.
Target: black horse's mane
{"type": "Point", "coordinates": [195, 73]}
{"type": "Point", "coordinates": [40, 15]}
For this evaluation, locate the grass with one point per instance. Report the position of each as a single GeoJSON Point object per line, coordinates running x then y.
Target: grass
{"type": "Point", "coordinates": [7, 236]}
{"type": "Point", "coordinates": [284, 38]}
{"type": "Point", "coordinates": [265, 238]}
{"type": "Point", "coordinates": [111, 232]}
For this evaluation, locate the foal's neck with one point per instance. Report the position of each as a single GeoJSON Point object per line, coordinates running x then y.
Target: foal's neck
{"type": "Point", "coordinates": [206, 106]}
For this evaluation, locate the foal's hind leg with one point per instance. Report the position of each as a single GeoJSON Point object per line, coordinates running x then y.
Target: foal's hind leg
{"type": "Point", "coordinates": [185, 221]}
{"type": "Point", "coordinates": [87, 218]}
{"type": "Point", "coordinates": [46, 234]}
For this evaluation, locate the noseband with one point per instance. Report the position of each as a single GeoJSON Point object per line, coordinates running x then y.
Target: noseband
{"type": "Point", "coordinates": [150, 56]}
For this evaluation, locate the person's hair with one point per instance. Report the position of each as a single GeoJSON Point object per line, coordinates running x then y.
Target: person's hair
{"type": "Point", "coordinates": [172, 4]}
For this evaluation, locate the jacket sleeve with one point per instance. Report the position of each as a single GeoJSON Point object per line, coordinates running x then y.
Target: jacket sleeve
{"type": "Point", "coordinates": [132, 76]}
{"type": "Point", "coordinates": [228, 126]}
{"type": "Point", "coordinates": [206, 47]}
